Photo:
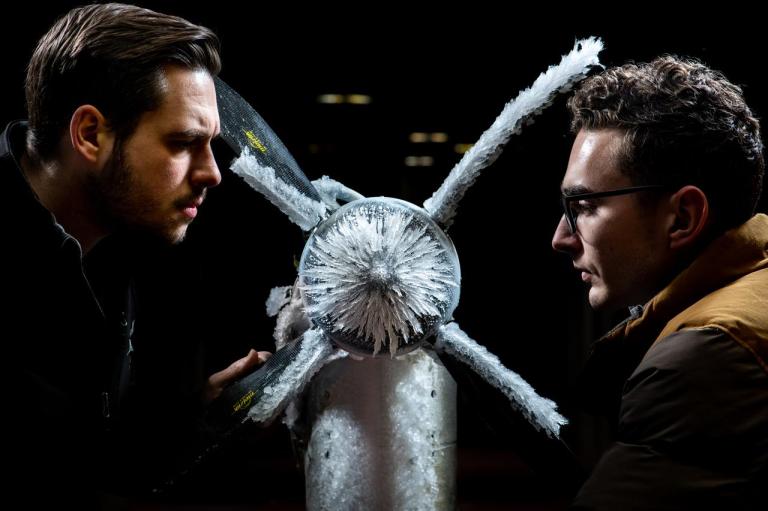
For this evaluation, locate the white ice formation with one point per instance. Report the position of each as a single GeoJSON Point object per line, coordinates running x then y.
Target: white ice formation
{"type": "Point", "coordinates": [573, 67]}
{"type": "Point", "coordinates": [379, 272]}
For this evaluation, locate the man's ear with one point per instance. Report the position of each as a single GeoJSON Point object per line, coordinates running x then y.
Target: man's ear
{"type": "Point", "coordinates": [91, 137]}
{"type": "Point", "coordinates": [690, 209]}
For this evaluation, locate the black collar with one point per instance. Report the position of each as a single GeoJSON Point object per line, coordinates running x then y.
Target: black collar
{"type": "Point", "coordinates": [17, 190]}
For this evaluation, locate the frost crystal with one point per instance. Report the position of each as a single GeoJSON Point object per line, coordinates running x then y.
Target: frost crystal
{"type": "Point", "coordinates": [540, 411]}
{"type": "Point", "coordinates": [379, 272]}
{"type": "Point", "coordinates": [302, 210]}
{"type": "Point", "coordinates": [314, 354]}
{"type": "Point", "coordinates": [530, 102]}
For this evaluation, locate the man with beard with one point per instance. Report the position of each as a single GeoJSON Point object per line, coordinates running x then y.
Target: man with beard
{"type": "Point", "coordinates": [659, 201]}
{"type": "Point", "coordinates": [122, 111]}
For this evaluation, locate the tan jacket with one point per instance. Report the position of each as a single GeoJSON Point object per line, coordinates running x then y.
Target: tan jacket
{"type": "Point", "coordinates": [693, 420]}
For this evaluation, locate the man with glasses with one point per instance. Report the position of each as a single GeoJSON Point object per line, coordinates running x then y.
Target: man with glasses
{"type": "Point", "coordinates": [658, 216]}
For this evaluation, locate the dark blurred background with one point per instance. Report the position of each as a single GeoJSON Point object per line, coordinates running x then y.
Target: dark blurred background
{"type": "Point", "coordinates": [446, 71]}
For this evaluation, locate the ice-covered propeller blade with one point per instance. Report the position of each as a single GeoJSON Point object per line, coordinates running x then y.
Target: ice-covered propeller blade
{"type": "Point", "coordinates": [529, 103]}
{"type": "Point", "coordinates": [264, 162]}
{"type": "Point", "coordinates": [540, 411]}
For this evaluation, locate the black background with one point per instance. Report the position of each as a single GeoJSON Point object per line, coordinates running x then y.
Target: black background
{"type": "Point", "coordinates": [448, 69]}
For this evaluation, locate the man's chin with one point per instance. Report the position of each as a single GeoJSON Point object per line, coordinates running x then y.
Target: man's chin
{"type": "Point", "coordinates": [600, 301]}
{"type": "Point", "coordinates": [172, 234]}
{"type": "Point", "coordinates": [597, 299]}
{"type": "Point", "coordinates": [176, 237]}
{"type": "Point", "coordinates": [158, 237]}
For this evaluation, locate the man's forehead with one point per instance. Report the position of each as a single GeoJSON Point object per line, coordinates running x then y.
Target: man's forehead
{"type": "Point", "coordinates": [188, 105]}
{"type": "Point", "coordinates": [594, 162]}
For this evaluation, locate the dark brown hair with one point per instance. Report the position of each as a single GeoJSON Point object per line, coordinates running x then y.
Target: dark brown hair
{"type": "Point", "coordinates": [684, 123]}
{"type": "Point", "coordinates": [112, 57]}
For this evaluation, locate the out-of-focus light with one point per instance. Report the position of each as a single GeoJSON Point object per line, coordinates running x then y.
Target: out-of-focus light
{"type": "Point", "coordinates": [358, 99]}
{"type": "Point", "coordinates": [330, 99]}
{"type": "Point", "coordinates": [419, 161]}
{"type": "Point", "coordinates": [438, 138]}
{"type": "Point", "coordinates": [462, 148]}
{"type": "Point", "coordinates": [420, 137]}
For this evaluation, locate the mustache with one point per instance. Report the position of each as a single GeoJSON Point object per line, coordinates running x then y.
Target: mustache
{"type": "Point", "coordinates": [192, 198]}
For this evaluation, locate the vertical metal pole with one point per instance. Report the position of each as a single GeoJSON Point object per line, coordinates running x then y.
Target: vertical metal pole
{"type": "Point", "coordinates": [382, 435]}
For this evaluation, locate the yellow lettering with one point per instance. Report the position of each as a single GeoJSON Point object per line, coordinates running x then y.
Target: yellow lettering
{"type": "Point", "coordinates": [243, 401]}
{"type": "Point", "coordinates": [254, 142]}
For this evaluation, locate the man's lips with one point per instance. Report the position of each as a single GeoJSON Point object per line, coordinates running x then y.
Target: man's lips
{"type": "Point", "coordinates": [586, 276]}
{"type": "Point", "coordinates": [190, 208]}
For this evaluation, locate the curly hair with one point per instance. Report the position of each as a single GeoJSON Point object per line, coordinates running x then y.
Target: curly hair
{"type": "Point", "coordinates": [683, 123]}
{"type": "Point", "coordinates": [110, 56]}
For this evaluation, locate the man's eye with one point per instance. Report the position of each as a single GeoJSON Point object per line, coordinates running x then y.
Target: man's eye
{"type": "Point", "coordinates": [582, 207]}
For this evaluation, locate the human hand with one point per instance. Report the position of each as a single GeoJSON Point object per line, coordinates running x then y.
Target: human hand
{"type": "Point", "coordinates": [217, 382]}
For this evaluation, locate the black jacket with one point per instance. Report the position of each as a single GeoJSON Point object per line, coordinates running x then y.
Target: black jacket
{"type": "Point", "coordinates": [87, 414]}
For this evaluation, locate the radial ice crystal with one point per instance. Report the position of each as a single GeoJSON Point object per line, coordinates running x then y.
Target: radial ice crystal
{"type": "Point", "coordinates": [379, 272]}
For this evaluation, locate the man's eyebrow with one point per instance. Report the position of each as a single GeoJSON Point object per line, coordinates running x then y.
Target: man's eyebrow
{"type": "Point", "coordinates": [191, 133]}
{"type": "Point", "coordinates": [575, 190]}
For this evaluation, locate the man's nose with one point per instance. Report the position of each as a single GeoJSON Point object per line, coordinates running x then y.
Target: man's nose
{"type": "Point", "coordinates": [564, 240]}
{"type": "Point", "coordinates": [206, 173]}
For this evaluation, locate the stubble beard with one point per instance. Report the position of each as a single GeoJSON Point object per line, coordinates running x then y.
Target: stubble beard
{"type": "Point", "coordinates": [122, 207]}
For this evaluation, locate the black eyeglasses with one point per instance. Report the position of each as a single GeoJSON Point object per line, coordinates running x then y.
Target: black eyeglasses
{"type": "Point", "coordinates": [571, 214]}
